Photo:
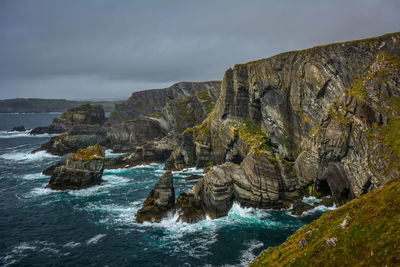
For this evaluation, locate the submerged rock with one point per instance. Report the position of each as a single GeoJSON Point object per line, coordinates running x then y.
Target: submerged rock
{"type": "Point", "coordinates": [79, 170]}
{"type": "Point", "coordinates": [159, 202]}
{"type": "Point", "coordinates": [299, 207]}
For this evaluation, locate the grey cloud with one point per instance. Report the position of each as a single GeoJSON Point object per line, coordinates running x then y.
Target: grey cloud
{"type": "Point", "coordinates": [111, 48]}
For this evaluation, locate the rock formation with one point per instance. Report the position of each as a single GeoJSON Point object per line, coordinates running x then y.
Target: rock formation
{"type": "Point", "coordinates": [159, 202]}
{"type": "Point", "coordinates": [85, 114]}
{"type": "Point", "coordinates": [153, 101]}
{"type": "Point", "coordinates": [324, 116]}
{"type": "Point", "coordinates": [134, 129]}
{"type": "Point", "coordinates": [18, 129]}
{"type": "Point", "coordinates": [79, 170]}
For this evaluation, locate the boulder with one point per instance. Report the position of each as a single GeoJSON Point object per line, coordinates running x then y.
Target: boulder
{"type": "Point", "coordinates": [299, 207]}
{"type": "Point", "coordinates": [79, 170]}
{"type": "Point", "coordinates": [159, 202]}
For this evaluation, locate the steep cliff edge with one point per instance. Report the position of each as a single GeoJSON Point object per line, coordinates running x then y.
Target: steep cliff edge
{"type": "Point", "coordinates": [311, 117]}
{"type": "Point", "coordinates": [364, 232]}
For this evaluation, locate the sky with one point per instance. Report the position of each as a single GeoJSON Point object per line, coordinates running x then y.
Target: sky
{"type": "Point", "coordinates": [86, 49]}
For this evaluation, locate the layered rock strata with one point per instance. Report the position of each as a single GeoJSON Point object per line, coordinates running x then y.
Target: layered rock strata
{"type": "Point", "coordinates": [324, 116]}
{"type": "Point", "coordinates": [84, 114]}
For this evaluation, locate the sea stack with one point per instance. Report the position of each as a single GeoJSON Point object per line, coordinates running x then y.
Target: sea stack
{"type": "Point", "coordinates": [79, 170]}
{"type": "Point", "coordinates": [159, 202]}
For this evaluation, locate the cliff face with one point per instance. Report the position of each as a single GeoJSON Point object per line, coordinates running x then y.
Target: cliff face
{"type": "Point", "coordinates": [84, 114]}
{"type": "Point", "coordinates": [314, 116]}
{"type": "Point", "coordinates": [129, 135]}
{"type": "Point", "coordinates": [152, 101]}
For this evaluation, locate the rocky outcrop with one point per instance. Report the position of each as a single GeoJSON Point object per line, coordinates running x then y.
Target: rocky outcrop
{"type": "Point", "coordinates": [152, 151]}
{"type": "Point", "coordinates": [322, 116]}
{"type": "Point", "coordinates": [153, 101]}
{"type": "Point", "coordinates": [79, 136]}
{"type": "Point", "coordinates": [159, 202]}
{"type": "Point", "coordinates": [18, 129]}
{"type": "Point", "coordinates": [130, 135]}
{"type": "Point", "coordinates": [85, 114]}
{"type": "Point", "coordinates": [79, 170]}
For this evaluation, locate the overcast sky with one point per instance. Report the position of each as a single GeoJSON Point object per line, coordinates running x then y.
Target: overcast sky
{"type": "Point", "coordinates": [108, 49]}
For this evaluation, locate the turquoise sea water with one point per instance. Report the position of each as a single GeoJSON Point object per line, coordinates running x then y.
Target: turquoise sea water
{"type": "Point", "coordinates": [96, 227]}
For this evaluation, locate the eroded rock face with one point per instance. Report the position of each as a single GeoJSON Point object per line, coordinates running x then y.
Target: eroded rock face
{"type": "Point", "coordinates": [153, 101]}
{"type": "Point", "coordinates": [85, 114]}
{"type": "Point", "coordinates": [79, 170]}
{"type": "Point", "coordinates": [159, 202]}
{"type": "Point", "coordinates": [317, 124]}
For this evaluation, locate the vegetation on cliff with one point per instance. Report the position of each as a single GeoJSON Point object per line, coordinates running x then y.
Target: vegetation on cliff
{"type": "Point", "coordinates": [363, 232]}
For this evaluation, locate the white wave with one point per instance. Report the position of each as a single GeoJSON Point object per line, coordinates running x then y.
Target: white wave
{"type": "Point", "coordinates": [27, 156]}
{"type": "Point", "coordinates": [149, 166]}
{"type": "Point", "coordinates": [247, 255]}
{"type": "Point", "coordinates": [95, 239]}
{"type": "Point", "coordinates": [24, 249]}
{"type": "Point", "coordinates": [188, 171]}
{"type": "Point", "coordinates": [119, 170]}
{"type": "Point", "coordinates": [72, 244]}
{"type": "Point", "coordinates": [318, 209]}
{"type": "Point", "coordinates": [34, 176]}
{"type": "Point", "coordinates": [116, 214]}
{"type": "Point", "coordinates": [110, 154]}
{"type": "Point", "coordinates": [311, 200]}
{"type": "Point", "coordinates": [15, 134]}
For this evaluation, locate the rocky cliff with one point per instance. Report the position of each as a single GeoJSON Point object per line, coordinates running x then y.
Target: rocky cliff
{"type": "Point", "coordinates": [323, 117]}
{"type": "Point", "coordinates": [152, 101]}
{"type": "Point", "coordinates": [130, 135]}
{"type": "Point", "coordinates": [84, 114]}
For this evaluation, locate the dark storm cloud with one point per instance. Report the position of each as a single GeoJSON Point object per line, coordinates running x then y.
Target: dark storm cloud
{"type": "Point", "coordinates": [81, 49]}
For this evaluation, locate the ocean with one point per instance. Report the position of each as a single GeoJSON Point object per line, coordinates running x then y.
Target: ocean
{"type": "Point", "coordinates": [96, 226]}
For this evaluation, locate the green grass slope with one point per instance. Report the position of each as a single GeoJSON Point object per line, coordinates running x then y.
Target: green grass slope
{"type": "Point", "coordinates": [371, 236]}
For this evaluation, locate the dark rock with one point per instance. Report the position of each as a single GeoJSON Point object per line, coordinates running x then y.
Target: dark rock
{"type": "Point", "coordinates": [79, 170]}
{"type": "Point", "coordinates": [47, 130]}
{"type": "Point", "coordinates": [159, 202]}
{"type": "Point", "coordinates": [327, 201]}
{"type": "Point", "coordinates": [79, 136]}
{"type": "Point", "coordinates": [18, 129]}
{"type": "Point", "coordinates": [299, 207]}
{"type": "Point", "coordinates": [190, 204]}
{"type": "Point", "coordinates": [194, 177]}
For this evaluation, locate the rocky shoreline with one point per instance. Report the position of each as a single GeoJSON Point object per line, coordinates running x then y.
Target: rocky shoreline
{"type": "Point", "coordinates": [317, 122]}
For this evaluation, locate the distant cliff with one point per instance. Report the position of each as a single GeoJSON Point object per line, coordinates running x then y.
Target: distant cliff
{"type": "Point", "coordinates": [41, 105]}
{"type": "Point", "coordinates": [152, 101]}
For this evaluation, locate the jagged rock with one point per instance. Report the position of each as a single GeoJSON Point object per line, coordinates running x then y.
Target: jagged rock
{"type": "Point", "coordinates": [189, 205]}
{"type": "Point", "coordinates": [313, 130]}
{"type": "Point", "coordinates": [299, 207]}
{"type": "Point", "coordinates": [153, 101]}
{"type": "Point", "coordinates": [79, 170]}
{"type": "Point", "coordinates": [152, 151]}
{"type": "Point", "coordinates": [18, 129]}
{"type": "Point", "coordinates": [79, 136]}
{"type": "Point", "coordinates": [327, 201]}
{"type": "Point", "coordinates": [159, 202]}
{"type": "Point", "coordinates": [85, 114]}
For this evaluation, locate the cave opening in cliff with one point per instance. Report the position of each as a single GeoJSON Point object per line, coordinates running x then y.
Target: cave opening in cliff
{"type": "Point", "coordinates": [323, 188]}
